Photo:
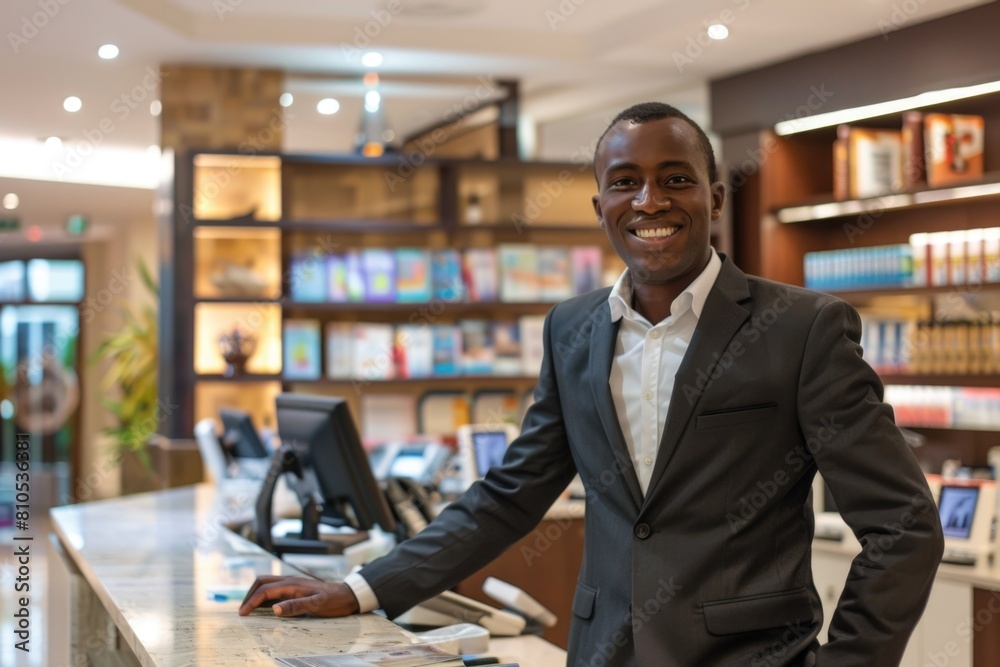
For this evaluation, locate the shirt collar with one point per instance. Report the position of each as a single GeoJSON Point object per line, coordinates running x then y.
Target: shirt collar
{"type": "Point", "coordinates": [694, 296]}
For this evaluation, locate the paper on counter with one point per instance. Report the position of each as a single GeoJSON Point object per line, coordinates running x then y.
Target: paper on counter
{"type": "Point", "coordinates": [396, 656]}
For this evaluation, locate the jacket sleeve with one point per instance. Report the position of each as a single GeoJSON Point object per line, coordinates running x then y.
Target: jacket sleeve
{"type": "Point", "coordinates": [879, 489]}
{"type": "Point", "coordinates": [492, 515]}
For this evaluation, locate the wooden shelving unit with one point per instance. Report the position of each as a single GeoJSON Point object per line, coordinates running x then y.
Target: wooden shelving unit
{"type": "Point", "coordinates": [252, 214]}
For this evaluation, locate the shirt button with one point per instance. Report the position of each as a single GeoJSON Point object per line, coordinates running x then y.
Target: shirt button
{"type": "Point", "coordinates": [648, 460]}
{"type": "Point", "coordinates": [642, 531]}
{"type": "Point", "coordinates": [648, 395]}
{"type": "Point", "coordinates": [654, 335]}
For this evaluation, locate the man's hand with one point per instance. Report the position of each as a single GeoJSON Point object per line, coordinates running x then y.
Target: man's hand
{"type": "Point", "coordinates": [300, 595]}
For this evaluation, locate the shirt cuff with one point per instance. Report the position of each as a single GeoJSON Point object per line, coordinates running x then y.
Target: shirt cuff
{"type": "Point", "coordinates": [367, 601]}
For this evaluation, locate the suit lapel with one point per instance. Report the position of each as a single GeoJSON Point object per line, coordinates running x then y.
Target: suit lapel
{"type": "Point", "coordinates": [720, 319]}
{"type": "Point", "coordinates": [602, 352]}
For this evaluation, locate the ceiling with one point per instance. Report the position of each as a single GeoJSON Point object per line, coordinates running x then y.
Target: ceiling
{"type": "Point", "coordinates": [577, 61]}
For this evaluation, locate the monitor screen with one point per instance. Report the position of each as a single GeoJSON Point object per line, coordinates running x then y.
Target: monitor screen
{"type": "Point", "coordinates": [489, 448]}
{"type": "Point", "coordinates": [239, 436]}
{"type": "Point", "coordinates": [321, 432]}
{"type": "Point", "coordinates": [410, 463]}
{"type": "Point", "coordinates": [958, 506]}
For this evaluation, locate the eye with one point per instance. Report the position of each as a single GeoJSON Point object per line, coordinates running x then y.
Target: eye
{"type": "Point", "coordinates": [621, 181]}
{"type": "Point", "coordinates": [679, 179]}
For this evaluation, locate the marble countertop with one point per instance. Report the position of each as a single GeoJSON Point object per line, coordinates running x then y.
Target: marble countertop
{"type": "Point", "coordinates": [153, 560]}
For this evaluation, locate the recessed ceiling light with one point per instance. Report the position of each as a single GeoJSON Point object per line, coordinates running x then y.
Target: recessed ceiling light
{"type": "Point", "coordinates": [718, 31]}
{"type": "Point", "coordinates": [371, 59]}
{"type": "Point", "coordinates": [108, 52]}
{"type": "Point", "coordinates": [53, 142]}
{"type": "Point", "coordinates": [286, 99]}
{"type": "Point", "coordinates": [72, 104]}
{"type": "Point", "coordinates": [10, 201]}
{"type": "Point", "coordinates": [155, 107]}
{"type": "Point", "coordinates": [388, 136]}
{"type": "Point", "coordinates": [328, 106]}
{"type": "Point", "coordinates": [372, 100]}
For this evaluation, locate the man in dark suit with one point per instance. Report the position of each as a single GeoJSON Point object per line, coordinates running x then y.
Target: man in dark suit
{"type": "Point", "coordinates": [697, 404]}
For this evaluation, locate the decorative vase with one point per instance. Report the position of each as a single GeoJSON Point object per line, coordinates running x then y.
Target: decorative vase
{"type": "Point", "coordinates": [236, 347]}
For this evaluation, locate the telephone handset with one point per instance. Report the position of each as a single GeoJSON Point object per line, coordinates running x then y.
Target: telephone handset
{"type": "Point", "coordinates": [411, 503]}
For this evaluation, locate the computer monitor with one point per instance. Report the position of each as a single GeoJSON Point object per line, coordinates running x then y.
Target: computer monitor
{"type": "Point", "coordinates": [239, 435]}
{"type": "Point", "coordinates": [957, 506]}
{"type": "Point", "coordinates": [320, 433]}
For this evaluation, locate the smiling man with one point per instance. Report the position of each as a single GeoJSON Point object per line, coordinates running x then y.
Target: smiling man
{"type": "Point", "coordinates": [683, 395]}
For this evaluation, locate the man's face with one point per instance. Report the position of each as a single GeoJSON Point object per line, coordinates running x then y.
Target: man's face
{"type": "Point", "coordinates": [655, 201]}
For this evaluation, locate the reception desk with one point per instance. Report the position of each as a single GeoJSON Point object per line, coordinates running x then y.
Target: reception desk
{"type": "Point", "coordinates": [144, 569]}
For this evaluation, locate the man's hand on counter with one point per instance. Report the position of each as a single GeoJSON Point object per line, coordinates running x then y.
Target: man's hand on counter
{"type": "Point", "coordinates": [296, 596]}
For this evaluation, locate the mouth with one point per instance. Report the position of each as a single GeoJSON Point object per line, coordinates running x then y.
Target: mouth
{"type": "Point", "coordinates": [652, 233]}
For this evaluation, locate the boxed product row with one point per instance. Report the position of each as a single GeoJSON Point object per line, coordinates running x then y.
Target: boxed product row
{"type": "Point", "coordinates": [907, 346]}
{"type": "Point", "coordinates": [932, 149]}
{"type": "Point", "coordinates": [366, 351]}
{"type": "Point", "coordinates": [962, 257]}
{"type": "Point", "coordinates": [514, 272]}
{"type": "Point", "coordinates": [945, 407]}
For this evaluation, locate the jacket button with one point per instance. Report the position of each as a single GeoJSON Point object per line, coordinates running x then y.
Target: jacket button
{"type": "Point", "coordinates": [642, 531]}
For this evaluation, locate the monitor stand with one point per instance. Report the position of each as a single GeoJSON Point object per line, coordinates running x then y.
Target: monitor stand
{"type": "Point", "coordinates": [285, 461]}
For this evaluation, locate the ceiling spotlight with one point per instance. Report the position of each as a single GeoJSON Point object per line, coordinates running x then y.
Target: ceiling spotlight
{"type": "Point", "coordinates": [372, 100]}
{"type": "Point", "coordinates": [72, 104]}
{"type": "Point", "coordinates": [10, 201]}
{"type": "Point", "coordinates": [108, 52]}
{"type": "Point", "coordinates": [718, 31]}
{"type": "Point", "coordinates": [371, 59]}
{"type": "Point", "coordinates": [286, 99]}
{"type": "Point", "coordinates": [53, 143]}
{"type": "Point", "coordinates": [328, 106]}
{"type": "Point", "coordinates": [155, 108]}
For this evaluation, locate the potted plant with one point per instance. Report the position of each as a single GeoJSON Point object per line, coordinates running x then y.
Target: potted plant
{"type": "Point", "coordinates": [131, 383]}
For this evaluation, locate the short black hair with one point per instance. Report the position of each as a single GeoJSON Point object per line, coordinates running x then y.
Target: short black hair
{"type": "Point", "coordinates": [647, 111]}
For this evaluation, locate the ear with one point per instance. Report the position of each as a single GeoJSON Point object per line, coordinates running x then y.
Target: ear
{"type": "Point", "coordinates": [718, 199]}
{"type": "Point", "coordinates": [596, 200]}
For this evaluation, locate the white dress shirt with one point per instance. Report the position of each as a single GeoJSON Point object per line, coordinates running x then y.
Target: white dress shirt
{"type": "Point", "coordinates": [646, 360]}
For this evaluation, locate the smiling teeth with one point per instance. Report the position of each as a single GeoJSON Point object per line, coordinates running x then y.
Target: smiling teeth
{"type": "Point", "coordinates": [656, 233]}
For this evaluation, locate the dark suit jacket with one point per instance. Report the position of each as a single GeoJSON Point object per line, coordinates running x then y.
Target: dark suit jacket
{"type": "Point", "coordinates": [712, 566]}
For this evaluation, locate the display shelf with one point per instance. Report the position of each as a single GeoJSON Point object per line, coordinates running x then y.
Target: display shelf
{"type": "Point", "coordinates": [827, 208]}
{"type": "Point", "coordinates": [941, 380]}
{"type": "Point", "coordinates": [398, 308]}
{"type": "Point", "coordinates": [866, 294]}
{"type": "Point", "coordinates": [434, 382]}
{"type": "Point", "coordinates": [361, 226]}
{"type": "Point", "coordinates": [246, 378]}
{"type": "Point", "coordinates": [271, 213]}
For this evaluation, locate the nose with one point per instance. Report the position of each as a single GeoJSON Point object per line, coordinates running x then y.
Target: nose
{"type": "Point", "coordinates": [650, 199]}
